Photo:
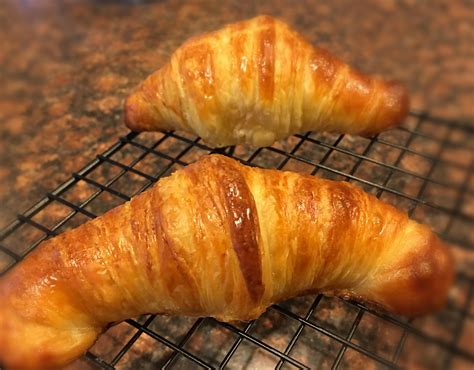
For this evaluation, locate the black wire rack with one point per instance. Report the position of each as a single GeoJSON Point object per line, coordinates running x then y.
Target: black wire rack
{"type": "Point", "coordinates": [425, 167]}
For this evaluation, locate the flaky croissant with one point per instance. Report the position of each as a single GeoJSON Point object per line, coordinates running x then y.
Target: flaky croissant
{"type": "Point", "coordinates": [258, 81]}
{"type": "Point", "coordinates": [217, 239]}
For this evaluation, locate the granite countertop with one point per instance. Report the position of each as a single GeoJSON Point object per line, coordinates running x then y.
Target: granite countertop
{"type": "Point", "coordinates": [65, 67]}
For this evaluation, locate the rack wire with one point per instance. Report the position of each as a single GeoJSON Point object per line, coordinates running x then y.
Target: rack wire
{"type": "Point", "coordinates": [425, 167]}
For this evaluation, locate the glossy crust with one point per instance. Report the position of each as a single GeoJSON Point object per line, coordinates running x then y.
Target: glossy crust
{"type": "Point", "coordinates": [258, 81]}
{"type": "Point", "coordinates": [217, 239]}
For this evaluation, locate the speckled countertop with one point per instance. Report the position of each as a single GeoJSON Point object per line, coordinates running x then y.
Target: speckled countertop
{"type": "Point", "coordinates": [65, 67]}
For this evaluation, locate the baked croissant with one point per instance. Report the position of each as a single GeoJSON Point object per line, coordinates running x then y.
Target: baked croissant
{"type": "Point", "coordinates": [258, 81]}
{"type": "Point", "coordinates": [217, 239]}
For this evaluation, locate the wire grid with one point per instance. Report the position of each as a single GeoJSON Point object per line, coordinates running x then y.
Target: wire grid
{"type": "Point", "coordinates": [425, 167]}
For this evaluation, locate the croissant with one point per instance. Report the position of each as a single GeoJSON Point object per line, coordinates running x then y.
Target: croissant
{"type": "Point", "coordinates": [218, 239]}
{"type": "Point", "coordinates": [258, 81]}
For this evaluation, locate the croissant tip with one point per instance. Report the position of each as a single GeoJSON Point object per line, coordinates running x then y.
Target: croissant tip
{"type": "Point", "coordinates": [442, 260]}
{"type": "Point", "coordinates": [137, 115]}
{"type": "Point", "coordinates": [131, 114]}
{"type": "Point", "coordinates": [395, 108]}
{"type": "Point", "coordinates": [398, 103]}
{"type": "Point", "coordinates": [425, 278]}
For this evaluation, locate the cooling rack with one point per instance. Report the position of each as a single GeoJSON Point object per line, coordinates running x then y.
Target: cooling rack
{"type": "Point", "coordinates": [425, 167]}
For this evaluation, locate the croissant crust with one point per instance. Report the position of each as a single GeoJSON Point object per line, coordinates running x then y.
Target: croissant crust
{"type": "Point", "coordinates": [258, 81]}
{"type": "Point", "coordinates": [216, 239]}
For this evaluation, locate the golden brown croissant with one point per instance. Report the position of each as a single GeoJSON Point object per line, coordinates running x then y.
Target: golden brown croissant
{"type": "Point", "coordinates": [217, 239]}
{"type": "Point", "coordinates": [258, 81]}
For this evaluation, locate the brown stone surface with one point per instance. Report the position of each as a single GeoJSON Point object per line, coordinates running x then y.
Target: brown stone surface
{"type": "Point", "coordinates": [65, 68]}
